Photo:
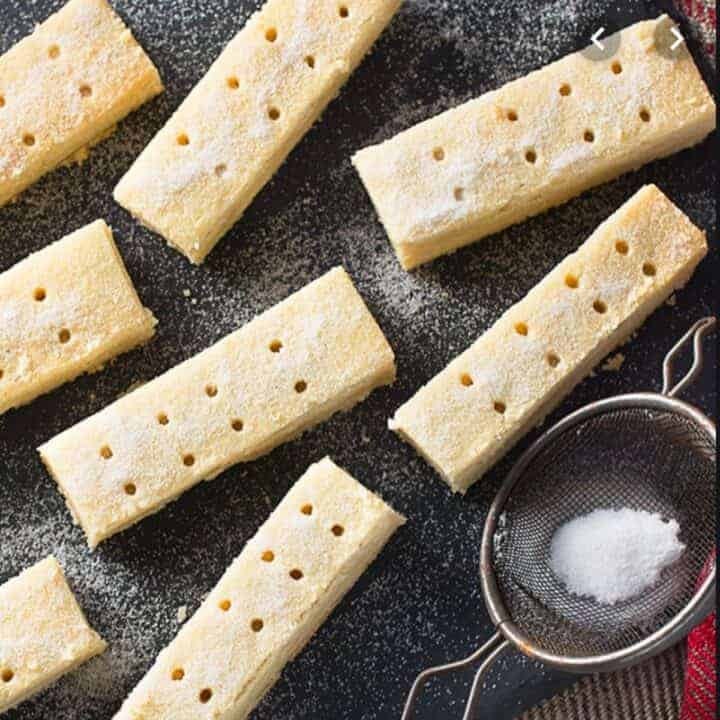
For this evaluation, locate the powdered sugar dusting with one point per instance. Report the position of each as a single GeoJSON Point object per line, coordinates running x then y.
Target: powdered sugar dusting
{"type": "Point", "coordinates": [420, 602]}
{"type": "Point", "coordinates": [577, 153]}
{"type": "Point", "coordinates": [68, 82]}
{"type": "Point", "coordinates": [410, 190]}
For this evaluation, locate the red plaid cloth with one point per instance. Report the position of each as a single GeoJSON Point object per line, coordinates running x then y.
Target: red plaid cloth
{"type": "Point", "coordinates": [702, 15]}
{"type": "Point", "coordinates": [700, 700]}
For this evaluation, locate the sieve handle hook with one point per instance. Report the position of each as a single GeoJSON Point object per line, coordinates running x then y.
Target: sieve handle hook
{"type": "Point", "coordinates": [696, 333]}
{"type": "Point", "coordinates": [490, 651]}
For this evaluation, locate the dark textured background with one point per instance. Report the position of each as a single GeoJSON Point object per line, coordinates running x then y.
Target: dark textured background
{"type": "Point", "coordinates": [420, 603]}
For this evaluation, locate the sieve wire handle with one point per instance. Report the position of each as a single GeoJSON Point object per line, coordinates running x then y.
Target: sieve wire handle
{"type": "Point", "coordinates": [696, 333]}
{"type": "Point", "coordinates": [491, 650]}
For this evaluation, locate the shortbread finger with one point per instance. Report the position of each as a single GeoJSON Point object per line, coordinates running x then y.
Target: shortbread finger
{"type": "Point", "coordinates": [269, 603]}
{"type": "Point", "coordinates": [64, 311]}
{"type": "Point", "coordinates": [536, 142]}
{"type": "Point", "coordinates": [43, 632]}
{"type": "Point", "coordinates": [63, 88]}
{"type": "Point", "coordinates": [470, 414]}
{"type": "Point", "coordinates": [317, 352]}
{"type": "Point", "coordinates": [264, 92]}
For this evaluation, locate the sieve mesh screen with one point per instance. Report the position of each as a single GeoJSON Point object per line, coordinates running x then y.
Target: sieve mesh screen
{"type": "Point", "coordinates": [646, 459]}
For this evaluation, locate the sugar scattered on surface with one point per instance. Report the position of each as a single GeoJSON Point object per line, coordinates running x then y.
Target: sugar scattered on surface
{"type": "Point", "coordinates": [420, 602]}
{"type": "Point", "coordinates": [614, 555]}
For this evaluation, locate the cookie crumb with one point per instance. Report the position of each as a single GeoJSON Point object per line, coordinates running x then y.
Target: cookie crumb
{"type": "Point", "coordinates": [614, 363]}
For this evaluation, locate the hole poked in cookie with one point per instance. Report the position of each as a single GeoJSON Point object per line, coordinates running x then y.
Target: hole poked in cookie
{"type": "Point", "coordinates": [211, 390]}
{"type": "Point", "coordinates": [64, 336]}
{"type": "Point", "coordinates": [466, 380]}
{"type": "Point", "coordinates": [237, 425]}
{"type": "Point", "coordinates": [40, 294]}
{"type": "Point", "coordinates": [233, 83]}
{"type": "Point", "coordinates": [7, 675]}
{"type": "Point", "coordinates": [438, 154]}
{"type": "Point", "coordinates": [337, 530]}
{"type": "Point", "coordinates": [531, 156]}
{"type": "Point", "coordinates": [225, 605]}
{"type": "Point", "coordinates": [649, 270]}
{"type": "Point", "coordinates": [552, 359]}
{"type": "Point", "coordinates": [130, 488]}
{"type": "Point", "coordinates": [183, 139]}
{"type": "Point", "coordinates": [205, 695]}
{"type": "Point", "coordinates": [616, 67]}
{"type": "Point", "coordinates": [512, 115]}
{"type": "Point", "coordinates": [177, 674]}
{"type": "Point", "coordinates": [589, 136]}
{"type": "Point", "coordinates": [2, 101]}
{"type": "Point", "coordinates": [572, 281]}
{"type": "Point", "coordinates": [344, 12]}
{"type": "Point", "coordinates": [296, 574]}
{"type": "Point", "coordinates": [565, 89]}
{"type": "Point", "coordinates": [162, 418]}
{"type": "Point", "coordinates": [85, 90]}
{"type": "Point", "coordinates": [499, 407]}
{"type": "Point", "coordinates": [268, 556]}
{"type": "Point", "coordinates": [600, 307]}
{"type": "Point", "coordinates": [257, 625]}
{"type": "Point", "coordinates": [459, 194]}
{"type": "Point", "coordinates": [521, 328]}
{"type": "Point", "coordinates": [275, 346]}
{"type": "Point", "coordinates": [28, 139]}
{"type": "Point", "coordinates": [622, 247]}
{"type": "Point", "coordinates": [644, 114]}
{"type": "Point", "coordinates": [188, 460]}
{"type": "Point", "coordinates": [106, 452]}
{"type": "Point", "coordinates": [306, 509]}
{"type": "Point", "coordinates": [54, 52]}
{"type": "Point", "coordinates": [300, 386]}
{"type": "Point", "coordinates": [274, 114]}
{"type": "Point", "coordinates": [310, 61]}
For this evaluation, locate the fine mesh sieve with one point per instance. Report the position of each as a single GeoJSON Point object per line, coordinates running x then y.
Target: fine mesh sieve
{"type": "Point", "coordinates": [645, 451]}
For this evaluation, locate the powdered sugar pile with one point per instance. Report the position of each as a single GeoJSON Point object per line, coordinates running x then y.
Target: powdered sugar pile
{"type": "Point", "coordinates": [614, 555]}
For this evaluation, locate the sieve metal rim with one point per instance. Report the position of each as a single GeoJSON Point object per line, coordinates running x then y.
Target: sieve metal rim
{"type": "Point", "coordinates": [507, 634]}
{"type": "Point", "coordinates": [698, 607]}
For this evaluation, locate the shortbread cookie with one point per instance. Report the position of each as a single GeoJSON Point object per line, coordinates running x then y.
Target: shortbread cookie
{"type": "Point", "coordinates": [470, 414]}
{"type": "Point", "coordinates": [317, 352]}
{"type": "Point", "coordinates": [536, 142]}
{"type": "Point", "coordinates": [235, 129]}
{"type": "Point", "coordinates": [269, 603]}
{"type": "Point", "coordinates": [43, 632]}
{"type": "Point", "coordinates": [64, 311]}
{"type": "Point", "coordinates": [63, 88]}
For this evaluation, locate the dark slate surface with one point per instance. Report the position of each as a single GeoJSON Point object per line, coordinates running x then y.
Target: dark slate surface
{"type": "Point", "coordinates": [420, 602]}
